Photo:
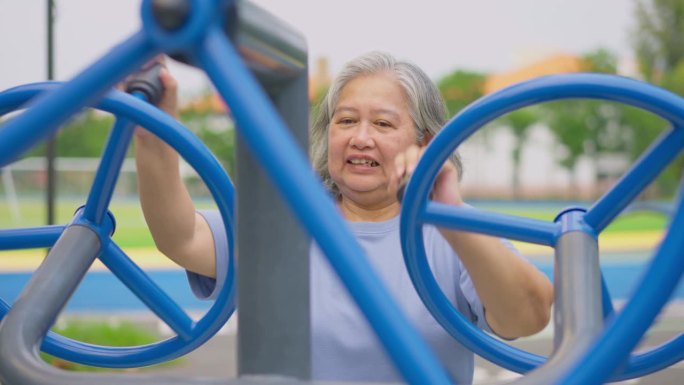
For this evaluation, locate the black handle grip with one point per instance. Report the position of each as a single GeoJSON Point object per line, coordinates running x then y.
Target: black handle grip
{"type": "Point", "coordinates": [147, 82]}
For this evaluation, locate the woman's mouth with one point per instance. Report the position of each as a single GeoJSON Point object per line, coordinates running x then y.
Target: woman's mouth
{"type": "Point", "coordinates": [363, 162]}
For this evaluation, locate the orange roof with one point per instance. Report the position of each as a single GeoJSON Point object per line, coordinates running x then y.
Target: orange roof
{"type": "Point", "coordinates": [210, 103]}
{"type": "Point", "coordinates": [555, 64]}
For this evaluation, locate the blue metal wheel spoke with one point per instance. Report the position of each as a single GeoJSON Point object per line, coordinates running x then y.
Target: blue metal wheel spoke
{"type": "Point", "coordinates": [4, 308]}
{"type": "Point", "coordinates": [658, 358]}
{"type": "Point", "coordinates": [485, 222]}
{"type": "Point", "coordinates": [108, 170]}
{"type": "Point", "coordinates": [30, 238]}
{"type": "Point", "coordinates": [149, 292]}
{"type": "Point", "coordinates": [644, 171]}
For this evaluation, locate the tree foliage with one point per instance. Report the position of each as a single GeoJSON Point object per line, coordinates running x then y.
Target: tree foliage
{"type": "Point", "coordinates": [658, 38]}
{"type": "Point", "coordinates": [461, 88]}
{"type": "Point", "coordinates": [519, 122]}
{"type": "Point", "coordinates": [658, 43]}
{"type": "Point", "coordinates": [86, 136]}
{"type": "Point", "coordinates": [586, 127]}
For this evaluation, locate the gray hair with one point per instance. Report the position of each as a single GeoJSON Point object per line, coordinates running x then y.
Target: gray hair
{"type": "Point", "coordinates": [426, 106]}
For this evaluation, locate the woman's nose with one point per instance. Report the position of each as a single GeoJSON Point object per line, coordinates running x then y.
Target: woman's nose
{"type": "Point", "coordinates": [362, 138]}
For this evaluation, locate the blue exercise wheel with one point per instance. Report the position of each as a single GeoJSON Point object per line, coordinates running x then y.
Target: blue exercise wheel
{"type": "Point", "coordinates": [623, 329]}
{"type": "Point", "coordinates": [131, 110]}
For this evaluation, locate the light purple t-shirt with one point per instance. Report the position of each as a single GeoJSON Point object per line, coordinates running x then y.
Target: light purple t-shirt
{"type": "Point", "coordinates": [343, 346]}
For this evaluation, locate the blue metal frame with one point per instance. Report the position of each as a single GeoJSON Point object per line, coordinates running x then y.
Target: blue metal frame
{"type": "Point", "coordinates": [417, 210]}
{"type": "Point", "coordinates": [190, 334]}
{"type": "Point", "coordinates": [203, 38]}
{"type": "Point", "coordinates": [265, 133]}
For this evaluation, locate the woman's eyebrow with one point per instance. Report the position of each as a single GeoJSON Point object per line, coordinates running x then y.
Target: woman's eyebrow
{"type": "Point", "coordinates": [344, 109]}
{"type": "Point", "coordinates": [374, 111]}
{"type": "Point", "coordinates": [393, 113]}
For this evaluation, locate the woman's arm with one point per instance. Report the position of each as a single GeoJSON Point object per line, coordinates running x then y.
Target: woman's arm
{"type": "Point", "coordinates": [178, 231]}
{"type": "Point", "coordinates": [517, 297]}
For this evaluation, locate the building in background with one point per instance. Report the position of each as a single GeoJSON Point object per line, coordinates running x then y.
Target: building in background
{"type": "Point", "coordinates": [487, 155]}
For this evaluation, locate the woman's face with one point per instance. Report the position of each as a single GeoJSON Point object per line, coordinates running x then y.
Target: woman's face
{"type": "Point", "coordinates": [370, 126]}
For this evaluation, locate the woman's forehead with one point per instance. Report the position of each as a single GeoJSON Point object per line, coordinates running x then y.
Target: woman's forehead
{"type": "Point", "coordinates": [380, 93]}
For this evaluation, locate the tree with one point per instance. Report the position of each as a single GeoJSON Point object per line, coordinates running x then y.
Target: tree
{"type": "Point", "coordinates": [658, 39]}
{"type": "Point", "coordinates": [84, 136]}
{"type": "Point", "coordinates": [461, 88]}
{"type": "Point", "coordinates": [586, 127]}
{"type": "Point", "coordinates": [658, 43]}
{"type": "Point", "coordinates": [519, 122]}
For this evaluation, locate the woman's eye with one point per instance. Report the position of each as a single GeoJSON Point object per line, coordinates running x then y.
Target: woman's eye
{"type": "Point", "coordinates": [345, 121]}
{"type": "Point", "coordinates": [383, 123]}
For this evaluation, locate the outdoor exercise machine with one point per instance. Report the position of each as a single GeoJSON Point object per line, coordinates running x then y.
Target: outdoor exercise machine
{"type": "Point", "coordinates": [251, 57]}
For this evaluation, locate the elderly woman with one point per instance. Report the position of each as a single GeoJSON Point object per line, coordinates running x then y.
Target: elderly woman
{"type": "Point", "coordinates": [378, 115]}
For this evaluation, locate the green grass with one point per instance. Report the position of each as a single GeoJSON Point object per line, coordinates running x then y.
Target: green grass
{"type": "Point", "coordinates": [131, 230]}
{"type": "Point", "coordinates": [104, 333]}
{"type": "Point", "coordinates": [638, 221]}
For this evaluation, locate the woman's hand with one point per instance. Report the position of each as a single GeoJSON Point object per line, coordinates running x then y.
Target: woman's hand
{"type": "Point", "coordinates": [446, 187]}
{"type": "Point", "coordinates": [167, 103]}
{"type": "Point", "coordinates": [516, 296]}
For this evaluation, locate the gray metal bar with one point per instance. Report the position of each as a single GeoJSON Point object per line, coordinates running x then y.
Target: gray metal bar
{"type": "Point", "coordinates": [28, 321]}
{"type": "Point", "coordinates": [273, 258]}
{"type": "Point", "coordinates": [577, 277]}
{"type": "Point", "coordinates": [51, 145]}
{"type": "Point", "coordinates": [578, 316]}
{"type": "Point", "coordinates": [274, 51]}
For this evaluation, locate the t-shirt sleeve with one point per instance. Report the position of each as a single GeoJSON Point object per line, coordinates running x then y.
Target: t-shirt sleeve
{"type": "Point", "coordinates": [468, 290]}
{"type": "Point", "coordinates": [474, 303]}
{"type": "Point", "coordinates": [206, 287]}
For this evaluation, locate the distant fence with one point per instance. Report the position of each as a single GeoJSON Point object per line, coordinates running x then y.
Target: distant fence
{"type": "Point", "coordinates": [74, 177]}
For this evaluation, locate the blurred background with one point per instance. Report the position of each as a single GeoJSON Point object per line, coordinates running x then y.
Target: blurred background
{"type": "Point", "coordinates": [531, 162]}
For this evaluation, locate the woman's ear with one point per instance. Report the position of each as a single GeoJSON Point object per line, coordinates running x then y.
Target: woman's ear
{"type": "Point", "coordinates": [426, 139]}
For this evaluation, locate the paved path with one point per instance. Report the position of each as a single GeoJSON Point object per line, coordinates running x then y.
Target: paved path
{"type": "Point", "coordinates": [217, 358]}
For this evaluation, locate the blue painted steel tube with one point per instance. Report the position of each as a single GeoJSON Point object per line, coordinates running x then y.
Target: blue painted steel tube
{"type": "Point", "coordinates": [624, 331]}
{"type": "Point", "coordinates": [644, 171]}
{"type": "Point", "coordinates": [267, 137]}
{"type": "Point", "coordinates": [144, 288]}
{"type": "Point", "coordinates": [653, 360]}
{"type": "Point", "coordinates": [55, 108]}
{"type": "Point", "coordinates": [30, 238]}
{"type": "Point", "coordinates": [108, 170]}
{"type": "Point", "coordinates": [500, 225]}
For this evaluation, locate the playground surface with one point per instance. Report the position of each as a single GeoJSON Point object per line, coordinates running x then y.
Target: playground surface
{"type": "Point", "coordinates": [217, 358]}
{"type": "Point", "coordinates": [623, 256]}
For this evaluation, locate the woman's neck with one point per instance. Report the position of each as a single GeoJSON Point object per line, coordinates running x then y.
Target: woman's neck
{"type": "Point", "coordinates": [355, 212]}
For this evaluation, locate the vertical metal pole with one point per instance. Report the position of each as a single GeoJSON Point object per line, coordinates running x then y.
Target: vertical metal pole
{"type": "Point", "coordinates": [578, 314]}
{"type": "Point", "coordinates": [273, 258]}
{"type": "Point", "coordinates": [578, 304]}
{"type": "Point", "coordinates": [50, 149]}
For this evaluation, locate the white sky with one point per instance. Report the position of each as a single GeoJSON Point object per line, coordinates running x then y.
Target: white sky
{"type": "Point", "coordinates": [438, 35]}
